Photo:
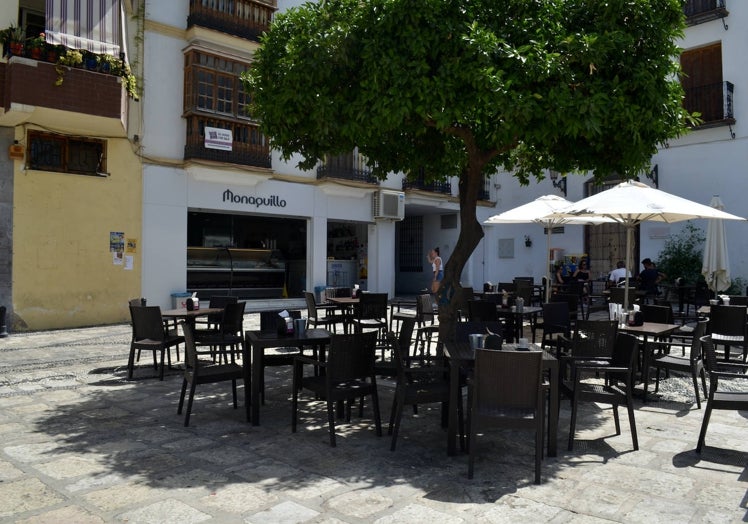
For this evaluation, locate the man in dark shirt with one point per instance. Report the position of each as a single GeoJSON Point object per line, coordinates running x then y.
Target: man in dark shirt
{"type": "Point", "coordinates": [650, 277]}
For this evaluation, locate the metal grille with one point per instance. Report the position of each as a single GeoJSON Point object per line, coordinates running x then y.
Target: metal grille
{"type": "Point", "coordinates": [411, 253]}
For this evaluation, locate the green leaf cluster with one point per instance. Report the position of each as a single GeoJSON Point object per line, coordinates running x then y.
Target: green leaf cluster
{"type": "Point", "coordinates": [682, 255]}
{"type": "Point", "coordinates": [431, 86]}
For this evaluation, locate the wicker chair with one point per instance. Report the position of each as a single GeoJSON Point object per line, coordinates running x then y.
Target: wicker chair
{"type": "Point", "coordinates": [388, 368]}
{"type": "Point", "coordinates": [315, 320]}
{"type": "Point", "coordinates": [692, 364]}
{"type": "Point", "coordinates": [149, 334]}
{"type": "Point", "coordinates": [348, 375]}
{"type": "Point", "coordinates": [556, 320]}
{"type": "Point", "coordinates": [226, 339]}
{"type": "Point", "coordinates": [197, 371]}
{"type": "Point", "coordinates": [727, 325]}
{"type": "Point", "coordinates": [507, 392]}
{"type": "Point", "coordinates": [593, 340]}
{"type": "Point", "coordinates": [417, 385]}
{"type": "Point", "coordinates": [720, 398]}
{"type": "Point", "coordinates": [620, 369]}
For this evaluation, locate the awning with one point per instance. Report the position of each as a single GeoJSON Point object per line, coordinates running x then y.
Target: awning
{"type": "Point", "coordinates": [93, 25]}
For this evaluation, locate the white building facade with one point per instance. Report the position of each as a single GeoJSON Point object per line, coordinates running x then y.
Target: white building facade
{"type": "Point", "coordinates": [319, 226]}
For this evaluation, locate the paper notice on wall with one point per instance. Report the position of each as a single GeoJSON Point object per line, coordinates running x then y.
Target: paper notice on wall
{"type": "Point", "coordinates": [116, 241]}
{"type": "Point", "coordinates": [216, 138]}
{"type": "Point", "coordinates": [132, 245]}
{"type": "Point", "coordinates": [117, 258]}
{"type": "Point", "coordinates": [128, 262]}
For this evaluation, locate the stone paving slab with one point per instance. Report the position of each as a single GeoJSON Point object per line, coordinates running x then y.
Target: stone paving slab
{"type": "Point", "coordinates": [79, 443]}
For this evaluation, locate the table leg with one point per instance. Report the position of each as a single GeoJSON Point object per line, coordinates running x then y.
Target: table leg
{"type": "Point", "coordinates": [553, 381]}
{"type": "Point", "coordinates": [257, 352]}
{"type": "Point", "coordinates": [454, 388]}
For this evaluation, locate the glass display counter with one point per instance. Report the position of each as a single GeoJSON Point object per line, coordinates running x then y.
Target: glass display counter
{"type": "Point", "coordinates": [245, 273]}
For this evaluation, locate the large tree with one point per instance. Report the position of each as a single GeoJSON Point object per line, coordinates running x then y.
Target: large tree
{"type": "Point", "coordinates": [466, 87]}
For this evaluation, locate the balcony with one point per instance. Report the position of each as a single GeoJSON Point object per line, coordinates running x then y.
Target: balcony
{"type": "Point", "coordinates": [243, 18]}
{"type": "Point", "coordinates": [351, 166]}
{"type": "Point", "coordinates": [444, 187]}
{"type": "Point", "coordinates": [249, 146]}
{"type": "Point", "coordinates": [701, 11]}
{"type": "Point", "coordinates": [714, 102]}
{"type": "Point", "coordinates": [86, 102]}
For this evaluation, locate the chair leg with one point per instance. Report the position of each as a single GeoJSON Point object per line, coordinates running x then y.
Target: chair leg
{"type": "Point", "coordinates": [471, 446]}
{"type": "Point", "coordinates": [616, 419]}
{"type": "Point", "coordinates": [131, 363]}
{"type": "Point", "coordinates": [704, 424]}
{"type": "Point", "coordinates": [331, 421]}
{"type": "Point", "coordinates": [189, 403]}
{"type": "Point", "coordinates": [233, 392]}
{"type": "Point", "coordinates": [181, 396]}
{"type": "Point", "coordinates": [377, 416]}
{"type": "Point", "coordinates": [161, 370]}
{"type": "Point", "coordinates": [573, 420]}
{"type": "Point", "coordinates": [632, 423]}
{"type": "Point", "coordinates": [696, 387]}
{"type": "Point", "coordinates": [703, 382]}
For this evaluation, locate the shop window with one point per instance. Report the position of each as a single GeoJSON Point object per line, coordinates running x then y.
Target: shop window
{"type": "Point", "coordinates": [64, 154]}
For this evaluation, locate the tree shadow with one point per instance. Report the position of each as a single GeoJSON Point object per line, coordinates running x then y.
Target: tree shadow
{"type": "Point", "coordinates": [132, 430]}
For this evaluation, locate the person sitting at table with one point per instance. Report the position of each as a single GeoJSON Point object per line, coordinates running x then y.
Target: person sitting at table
{"type": "Point", "coordinates": [618, 274]}
{"type": "Point", "coordinates": [650, 277]}
{"type": "Point", "coordinates": [560, 276]}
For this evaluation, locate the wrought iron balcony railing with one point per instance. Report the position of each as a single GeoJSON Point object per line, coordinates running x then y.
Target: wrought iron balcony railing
{"type": "Point", "coordinates": [713, 101]}
{"type": "Point", "coordinates": [700, 11]}
{"type": "Point", "coordinates": [444, 187]}
{"type": "Point", "coordinates": [350, 166]}
{"type": "Point", "coordinates": [249, 146]}
{"type": "Point", "coordinates": [243, 18]}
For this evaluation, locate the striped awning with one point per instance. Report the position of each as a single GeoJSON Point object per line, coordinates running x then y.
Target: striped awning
{"type": "Point", "coordinates": [93, 25]}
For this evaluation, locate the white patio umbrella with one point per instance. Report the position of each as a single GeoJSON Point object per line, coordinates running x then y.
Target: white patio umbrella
{"type": "Point", "coordinates": [540, 211]}
{"type": "Point", "coordinates": [716, 265]}
{"type": "Point", "coordinates": [631, 203]}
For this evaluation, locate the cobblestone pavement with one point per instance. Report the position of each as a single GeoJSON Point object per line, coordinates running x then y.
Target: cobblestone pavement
{"type": "Point", "coordinates": [79, 443]}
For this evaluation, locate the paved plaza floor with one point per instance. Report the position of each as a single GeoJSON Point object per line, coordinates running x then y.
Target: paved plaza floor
{"type": "Point", "coordinates": [79, 443]}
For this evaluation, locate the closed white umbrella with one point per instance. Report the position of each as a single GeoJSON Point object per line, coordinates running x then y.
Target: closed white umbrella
{"type": "Point", "coordinates": [541, 211]}
{"type": "Point", "coordinates": [716, 265]}
{"type": "Point", "coordinates": [631, 203]}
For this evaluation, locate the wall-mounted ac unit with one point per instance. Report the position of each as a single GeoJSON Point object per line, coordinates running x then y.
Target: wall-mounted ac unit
{"type": "Point", "coordinates": [388, 205]}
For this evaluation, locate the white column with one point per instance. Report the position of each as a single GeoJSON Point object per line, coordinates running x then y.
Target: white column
{"type": "Point", "coordinates": [381, 255]}
{"type": "Point", "coordinates": [317, 253]}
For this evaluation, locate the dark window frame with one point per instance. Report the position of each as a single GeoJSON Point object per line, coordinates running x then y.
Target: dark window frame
{"type": "Point", "coordinates": [66, 154]}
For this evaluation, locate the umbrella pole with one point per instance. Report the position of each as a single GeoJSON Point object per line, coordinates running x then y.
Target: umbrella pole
{"type": "Point", "coordinates": [548, 283]}
{"type": "Point", "coordinates": [629, 232]}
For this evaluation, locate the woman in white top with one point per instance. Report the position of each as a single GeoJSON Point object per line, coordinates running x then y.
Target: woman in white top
{"type": "Point", "coordinates": [437, 268]}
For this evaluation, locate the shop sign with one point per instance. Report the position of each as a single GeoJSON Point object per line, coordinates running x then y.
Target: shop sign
{"type": "Point", "coordinates": [216, 138]}
{"type": "Point", "coordinates": [256, 201]}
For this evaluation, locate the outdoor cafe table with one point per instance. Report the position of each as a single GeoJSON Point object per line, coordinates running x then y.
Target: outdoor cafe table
{"type": "Point", "coordinates": [190, 315]}
{"type": "Point", "coordinates": [462, 357]}
{"type": "Point", "coordinates": [253, 350]}
{"type": "Point", "coordinates": [529, 312]}
{"type": "Point", "coordinates": [646, 330]}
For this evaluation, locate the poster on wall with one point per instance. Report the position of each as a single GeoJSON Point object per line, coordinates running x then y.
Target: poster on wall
{"type": "Point", "coordinates": [128, 262]}
{"type": "Point", "coordinates": [216, 138]}
{"type": "Point", "coordinates": [116, 241]}
{"type": "Point", "coordinates": [132, 245]}
{"type": "Point", "coordinates": [117, 259]}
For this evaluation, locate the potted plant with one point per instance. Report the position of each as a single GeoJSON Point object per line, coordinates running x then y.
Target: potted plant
{"type": "Point", "coordinates": [71, 58]}
{"type": "Point", "coordinates": [16, 37]}
{"type": "Point", "coordinates": [35, 46]}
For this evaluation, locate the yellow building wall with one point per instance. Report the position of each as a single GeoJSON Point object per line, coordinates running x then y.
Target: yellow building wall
{"type": "Point", "coordinates": [63, 270]}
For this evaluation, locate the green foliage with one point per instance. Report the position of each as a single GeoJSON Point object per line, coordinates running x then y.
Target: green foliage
{"type": "Point", "coordinates": [456, 88]}
{"type": "Point", "coordinates": [737, 286]}
{"type": "Point", "coordinates": [682, 255]}
{"type": "Point", "coordinates": [426, 85]}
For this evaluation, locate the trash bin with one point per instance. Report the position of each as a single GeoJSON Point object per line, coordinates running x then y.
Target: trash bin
{"type": "Point", "coordinates": [319, 294]}
{"type": "Point", "coordinates": [179, 300]}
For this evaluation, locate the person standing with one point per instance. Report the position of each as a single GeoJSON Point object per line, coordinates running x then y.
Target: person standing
{"type": "Point", "coordinates": [437, 269]}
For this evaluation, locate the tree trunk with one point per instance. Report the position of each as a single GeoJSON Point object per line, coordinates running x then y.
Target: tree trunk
{"type": "Point", "coordinates": [471, 233]}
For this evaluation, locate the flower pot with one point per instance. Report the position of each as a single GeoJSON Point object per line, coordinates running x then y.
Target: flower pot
{"type": "Point", "coordinates": [52, 56]}
{"type": "Point", "coordinates": [16, 48]}
{"type": "Point", "coordinates": [35, 53]}
{"type": "Point", "coordinates": [91, 63]}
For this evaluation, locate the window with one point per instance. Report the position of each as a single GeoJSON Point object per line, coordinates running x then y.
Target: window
{"type": "Point", "coordinates": [704, 87]}
{"type": "Point", "coordinates": [212, 85]}
{"type": "Point", "coordinates": [412, 256]}
{"type": "Point", "coordinates": [63, 154]}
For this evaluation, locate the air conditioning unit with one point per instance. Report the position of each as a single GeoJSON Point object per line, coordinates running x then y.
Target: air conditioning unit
{"type": "Point", "coordinates": [388, 205]}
